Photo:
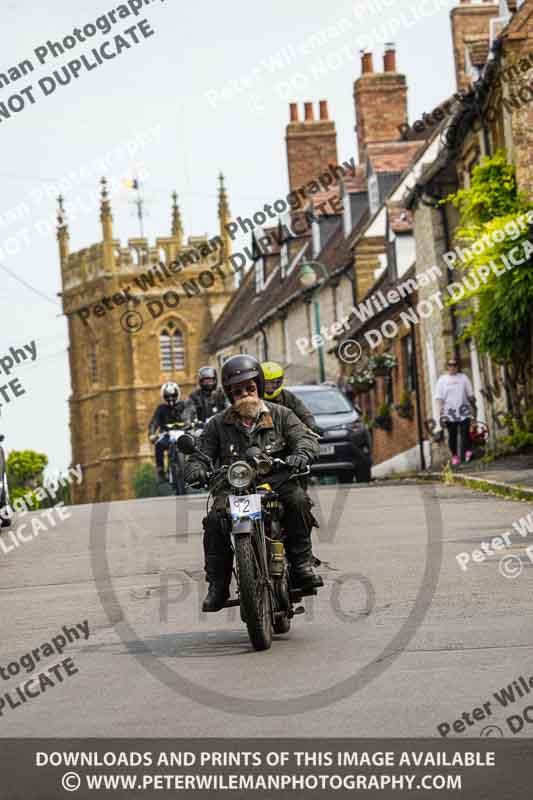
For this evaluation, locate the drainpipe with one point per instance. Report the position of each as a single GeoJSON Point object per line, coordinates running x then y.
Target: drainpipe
{"type": "Point", "coordinates": [419, 425]}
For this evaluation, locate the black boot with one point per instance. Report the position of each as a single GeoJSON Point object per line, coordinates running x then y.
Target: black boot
{"type": "Point", "coordinates": [216, 596]}
{"type": "Point", "coordinates": [218, 563]}
{"type": "Point", "coordinates": [301, 559]}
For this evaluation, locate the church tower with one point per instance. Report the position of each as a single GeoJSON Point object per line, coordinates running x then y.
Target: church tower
{"type": "Point", "coordinates": [138, 315]}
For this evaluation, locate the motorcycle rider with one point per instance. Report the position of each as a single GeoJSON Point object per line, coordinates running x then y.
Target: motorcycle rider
{"type": "Point", "coordinates": [275, 392]}
{"type": "Point", "coordinates": [207, 399]}
{"type": "Point", "coordinates": [249, 421]}
{"type": "Point", "coordinates": [171, 410]}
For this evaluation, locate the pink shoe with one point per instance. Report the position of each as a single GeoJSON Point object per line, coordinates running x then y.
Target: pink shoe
{"type": "Point", "coordinates": [455, 461]}
{"type": "Point", "coordinates": [468, 455]}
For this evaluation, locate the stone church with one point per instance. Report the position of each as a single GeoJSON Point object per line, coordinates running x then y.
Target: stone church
{"type": "Point", "coordinates": [129, 333]}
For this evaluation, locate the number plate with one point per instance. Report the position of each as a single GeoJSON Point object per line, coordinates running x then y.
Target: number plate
{"type": "Point", "coordinates": [246, 505]}
{"type": "Point", "coordinates": [326, 449]}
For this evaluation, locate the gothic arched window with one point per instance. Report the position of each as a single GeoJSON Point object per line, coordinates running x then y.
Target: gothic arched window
{"type": "Point", "coordinates": [171, 348]}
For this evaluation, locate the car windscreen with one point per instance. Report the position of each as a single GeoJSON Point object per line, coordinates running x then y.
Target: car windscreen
{"type": "Point", "coordinates": [324, 402]}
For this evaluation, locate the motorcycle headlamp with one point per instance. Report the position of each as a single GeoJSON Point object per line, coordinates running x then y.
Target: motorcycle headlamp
{"type": "Point", "coordinates": [240, 475]}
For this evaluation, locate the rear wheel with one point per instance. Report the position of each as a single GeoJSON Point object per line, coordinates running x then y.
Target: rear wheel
{"type": "Point", "coordinates": [255, 601]}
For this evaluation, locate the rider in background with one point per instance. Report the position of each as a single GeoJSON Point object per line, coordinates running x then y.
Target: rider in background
{"type": "Point", "coordinates": [207, 399]}
{"type": "Point", "coordinates": [171, 410]}
{"type": "Point", "coordinates": [276, 393]}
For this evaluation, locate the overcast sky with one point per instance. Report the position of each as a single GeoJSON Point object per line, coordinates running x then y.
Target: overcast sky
{"type": "Point", "coordinates": [174, 80]}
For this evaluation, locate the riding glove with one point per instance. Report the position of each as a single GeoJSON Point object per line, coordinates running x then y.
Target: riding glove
{"type": "Point", "coordinates": [299, 462]}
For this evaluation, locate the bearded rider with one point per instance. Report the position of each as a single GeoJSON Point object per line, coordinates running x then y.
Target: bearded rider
{"type": "Point", "coordinates": [248, 422]}
{"type": "Point", "coordinates": [207, 399]}
{"type": "Point", "coordinates": [275, 392]}
{"type": "Point", "coordinates": [171, 410]}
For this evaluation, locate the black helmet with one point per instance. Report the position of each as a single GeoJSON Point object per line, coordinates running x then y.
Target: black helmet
{"type": "Point", "coordinates": [241, 368]}
{"type": "Point", "coordinates": [209, 373]}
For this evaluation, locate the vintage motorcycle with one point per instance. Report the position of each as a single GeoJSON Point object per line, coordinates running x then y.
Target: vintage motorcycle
{"type": "Point", "coordinates": [175, 460]}
{"type": "Point", "coordinates": [5, 522]}
{"type": "Point", "coordinates": [266, 595]}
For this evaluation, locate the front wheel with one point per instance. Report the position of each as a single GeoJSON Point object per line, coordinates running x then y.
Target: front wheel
{"type": "Point", "coordinates": [255, 600]}
{"type": "Point", "coordinates": [177, 468]}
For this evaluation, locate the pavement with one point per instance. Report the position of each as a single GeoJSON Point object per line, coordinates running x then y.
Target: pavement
{"type": "Point", "coordinates": [516, 470]}
{"type": "Point", "coordinates": [399, 641]}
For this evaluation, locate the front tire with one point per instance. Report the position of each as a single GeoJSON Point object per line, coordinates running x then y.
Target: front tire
{"type": "Point", "coordinates": [255, 600]}
{"type": "Point", "coordinates": [178, 472]}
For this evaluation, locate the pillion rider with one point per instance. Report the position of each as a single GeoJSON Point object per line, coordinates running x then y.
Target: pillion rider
{"type": "Point", "coordinates": [170, 411]}
{"type": "Point", "coordinates": [248, 422]}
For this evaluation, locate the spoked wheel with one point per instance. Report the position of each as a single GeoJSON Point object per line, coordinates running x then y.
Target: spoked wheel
{"type": "Point", "coordinates": [282, 624]}
{"type": "Point", "coordinates": [255, 600]}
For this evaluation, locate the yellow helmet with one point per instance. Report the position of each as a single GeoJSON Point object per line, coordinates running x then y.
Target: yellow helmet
{"type": "Point", "coordinates": [273, 373]}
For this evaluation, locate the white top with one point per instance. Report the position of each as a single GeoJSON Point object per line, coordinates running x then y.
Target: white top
{"type": "Point", "coordinates": [455, 391]}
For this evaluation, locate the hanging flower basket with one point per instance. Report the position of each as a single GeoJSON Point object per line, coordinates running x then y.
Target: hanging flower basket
{"type": "Point", "coordinates": [362, 382]}
{"type": "Point", "coordinates": [382, 363]}
{"type": "Point", "coordinates": [383, 418]}
{"type": "Point", "coordinates": [406, 411]}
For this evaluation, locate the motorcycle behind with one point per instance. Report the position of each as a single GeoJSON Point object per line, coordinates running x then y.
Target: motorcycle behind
{"type": "Point", "coordinates": [5, 522]}
{"type": "Point", "coordinates": [266, 596]}
{"type": "Point", "coordinates": [176, 460]}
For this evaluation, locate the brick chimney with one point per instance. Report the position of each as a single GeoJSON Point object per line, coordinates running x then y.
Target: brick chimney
{"type": "Point", "coordinates": [380, 101]}
{"type": "Point", "coordinates": [470, 23]}
{"type": "Point", "coordinates": [311, 144]}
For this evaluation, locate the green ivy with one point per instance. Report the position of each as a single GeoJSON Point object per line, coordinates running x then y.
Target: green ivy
{"type": "Point", "coordinates": [498, 318]}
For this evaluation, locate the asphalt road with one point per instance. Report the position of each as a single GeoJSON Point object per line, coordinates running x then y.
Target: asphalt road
{"type": "Point", "coordinates": [398, 641]}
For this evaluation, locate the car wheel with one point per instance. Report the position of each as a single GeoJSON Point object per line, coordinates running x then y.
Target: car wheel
{"type": "Point", "coordinates": [363, 473]}
{"type": "Point", "coordinates": [345, 477]}
{"type": "Point", "coordinates": [4, 523]}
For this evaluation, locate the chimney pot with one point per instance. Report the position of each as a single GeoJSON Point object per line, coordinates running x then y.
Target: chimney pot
{"type": "Point", "coordinates": [324, 109]}
{"type": "Point", "coordinates": [389, 59]}
{"type": "Point", "coordinates": [308, 112]}
{"type": "Point", "coordinates": [367, 63]}
{"type": "Point", "coordinates": [294, 112]}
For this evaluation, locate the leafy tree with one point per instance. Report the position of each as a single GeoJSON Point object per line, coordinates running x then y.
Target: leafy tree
{"type": "Point", "coordinates": [145, 482]}
{"type": "Point", "coordinates": [499, 318]}
{"type": "Point", "coordinates": [25, 472]}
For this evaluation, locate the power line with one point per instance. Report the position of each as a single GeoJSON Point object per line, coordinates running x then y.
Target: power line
{"type": "Point", "coordinates": [28, 285]}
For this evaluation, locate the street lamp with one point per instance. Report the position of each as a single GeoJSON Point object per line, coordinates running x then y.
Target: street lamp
{"type": "Point", "coordinates": [308, 279]}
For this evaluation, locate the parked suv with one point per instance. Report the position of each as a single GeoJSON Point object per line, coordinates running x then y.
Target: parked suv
{"type": "Point", "coordinates": [4, 491]}
{"type": "Point", "coordinates": [345, 444]}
